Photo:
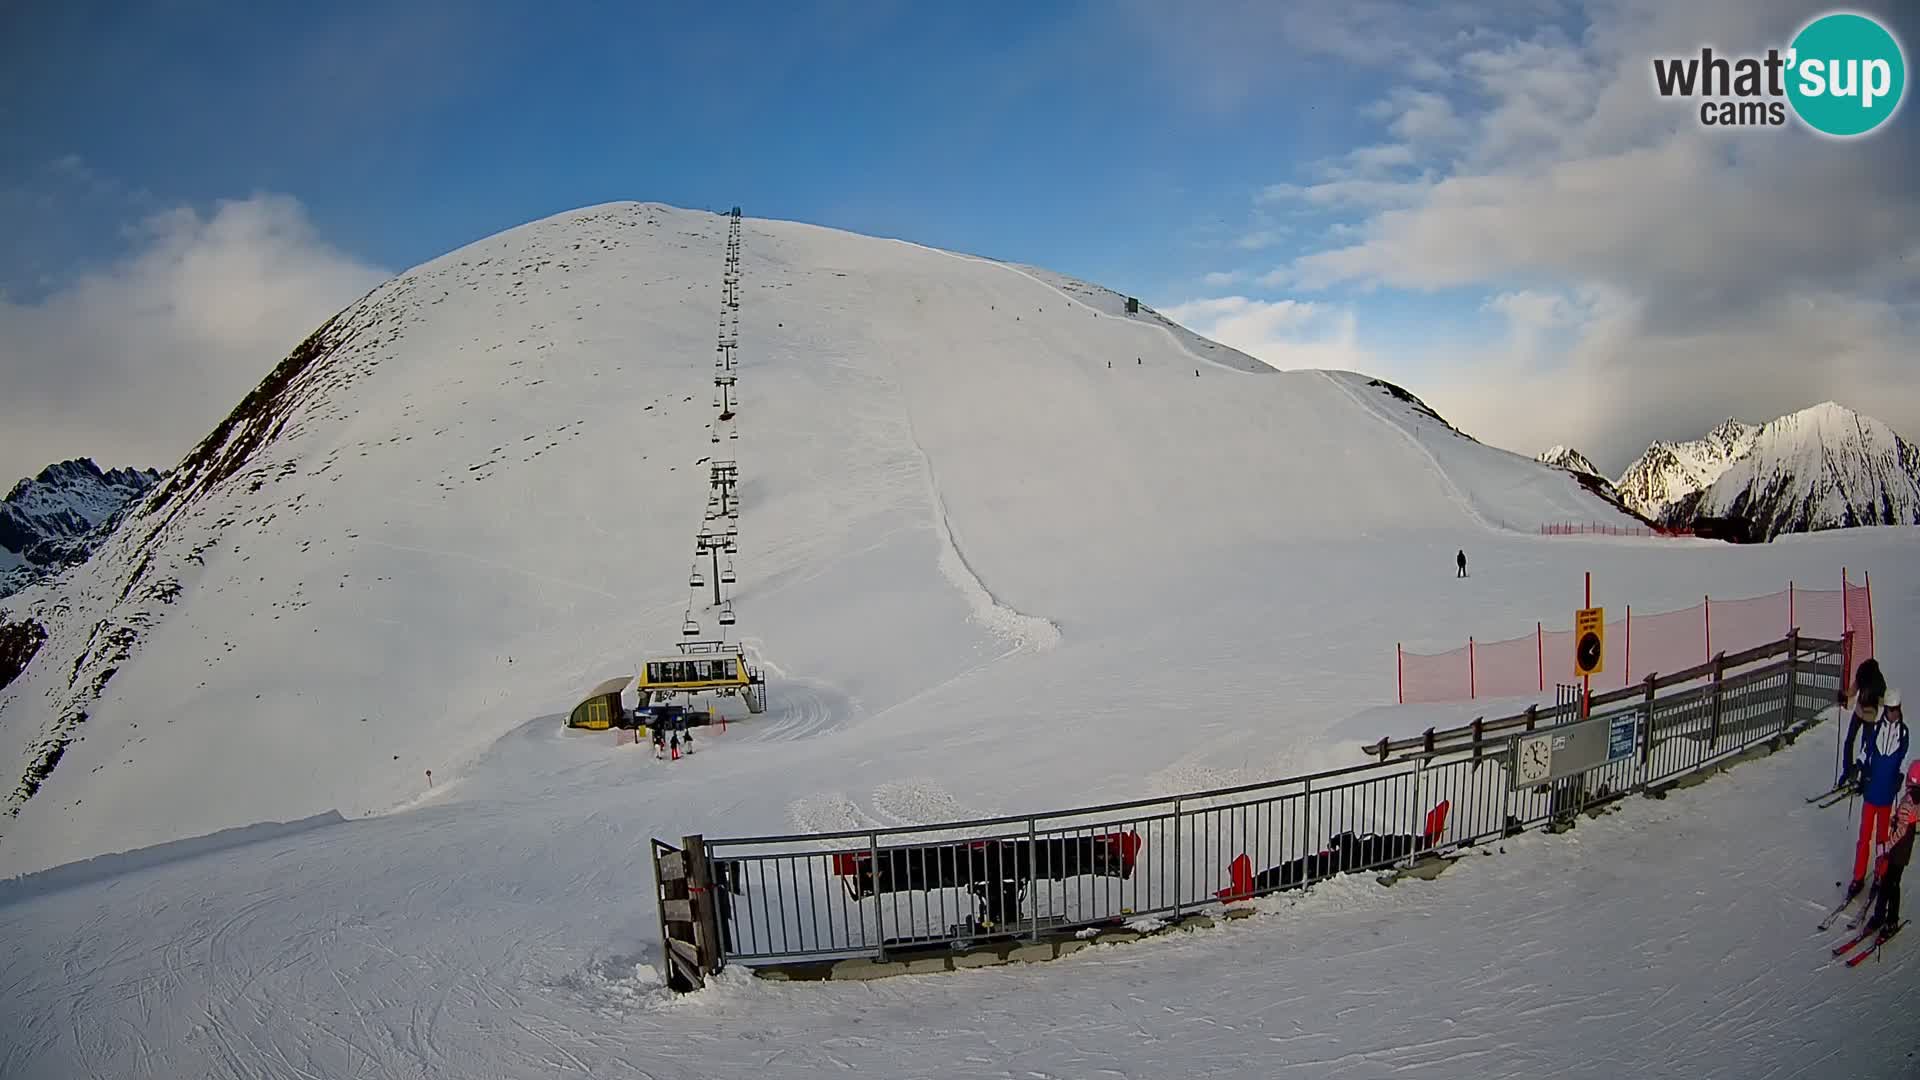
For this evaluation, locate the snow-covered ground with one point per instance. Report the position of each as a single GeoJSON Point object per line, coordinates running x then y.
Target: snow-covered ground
{"type": "Point", "coordinates": [986, 572]}
{"type": "Point", "coordinates": [510, 936]}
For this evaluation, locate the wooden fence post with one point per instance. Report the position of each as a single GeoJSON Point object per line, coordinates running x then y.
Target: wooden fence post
{"type": "Point", "coordinates": [706, 929]}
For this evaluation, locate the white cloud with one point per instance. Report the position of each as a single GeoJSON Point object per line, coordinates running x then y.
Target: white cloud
{"type": "Point", "coordinates": [1359, 193]}
{"type": "Point", "coordinates": [1220, 279]}
{"type": "Point", "coordinates": [1260, 239]}
{"type": "Point", "coordinates": [1419, 116]}
{"type": "Point", "coordinates": [1652, 275]}
{"type": "Point", "coordinates": [1284, 333]}
{"type": "Point", "coordinates": [133, 363]}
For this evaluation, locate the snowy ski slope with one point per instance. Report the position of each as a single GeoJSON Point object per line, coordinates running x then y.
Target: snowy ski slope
{"type": "Point", "coordinates": [484, 502]}
{"type": "Point", "coordinates": [985, 572]}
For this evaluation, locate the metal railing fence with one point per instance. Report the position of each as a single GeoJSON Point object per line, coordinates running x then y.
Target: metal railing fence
{"type": "Point", "coordinates": [892, 892]}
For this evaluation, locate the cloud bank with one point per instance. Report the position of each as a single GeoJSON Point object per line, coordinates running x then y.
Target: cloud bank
{"type": "Point", "coordinates": [133, 362]}
{"type": "Point", "coordinates": [1647, 276]}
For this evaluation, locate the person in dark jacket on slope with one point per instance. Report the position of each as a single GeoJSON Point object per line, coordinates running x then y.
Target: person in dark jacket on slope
{"type": "Point", "coordinates": [1881, 734]}
{"type": "Point", "coordinates": [1906, 818]}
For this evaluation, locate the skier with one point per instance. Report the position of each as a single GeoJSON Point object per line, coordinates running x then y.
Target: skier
{"type": "Point", "coordinates": [659, 744]}
{"type": "Point", "coordinates": [1460, 560]}
{"type": "Point", "coordinates": [674, 746]}
{"type": "Point", "coordinates": [1886, 910]}
{"type": "Point", "coordinates": [1882, 734]}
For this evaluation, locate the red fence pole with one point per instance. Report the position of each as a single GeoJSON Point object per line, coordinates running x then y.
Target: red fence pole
{"type": "Point", "coordinates": [1540, 653]}
{"type": "Point", "coordinates": [1707, 609]}
{"type": "Point", "coordinates": [1399, 674]}
{"type": "Point", "coordinates": [1473, 679]}
{"type": "Point", "coordinates": [1627, 676]}
{"type": "Point", "coordinates": [1790, 623]}
{"type": "Point", "coordinates": [1868, 574]}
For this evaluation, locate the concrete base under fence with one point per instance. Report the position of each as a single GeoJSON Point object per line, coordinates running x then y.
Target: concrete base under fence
{"type": "Point", "coordinates": [1053, 947]}
{"type": "Point", "coordinates": [1011, 952]}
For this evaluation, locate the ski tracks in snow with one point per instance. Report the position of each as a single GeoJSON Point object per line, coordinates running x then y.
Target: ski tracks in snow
{"type": "Point", "coordinates": [1454, 493]}
{"type": "Point", "coordinates": [1022, 632]}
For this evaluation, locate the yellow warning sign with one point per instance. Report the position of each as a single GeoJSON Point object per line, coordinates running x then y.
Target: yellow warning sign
{"type": "Point", "coordinates": [1590, 641]}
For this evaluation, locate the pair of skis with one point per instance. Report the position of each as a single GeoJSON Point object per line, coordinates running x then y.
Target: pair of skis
{"type": "Point", "coordinates": [1833, 795]}
{"type": "Point", "coordinates": [1872, 938]}
{"type": "Point", "coordinates": [1833, 916]}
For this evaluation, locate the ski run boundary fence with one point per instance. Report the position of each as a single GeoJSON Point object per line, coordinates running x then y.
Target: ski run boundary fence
{"type": "Point", "coordinates": [1589, 528]}
{"type": "Point", "coordinates": [894, 893]}
{"type": "Point", "coordinates": [1638, 644]}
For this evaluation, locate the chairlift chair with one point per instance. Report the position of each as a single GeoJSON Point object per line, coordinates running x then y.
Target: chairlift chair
{"type": "Point", "coordinates": [727, 576]}
{"type": "Point", "coordinates": [726, 614]}
{"type": "Point", "coordinates": [697, 580]}
{"type": "Point", "coordinates": [690, 628]}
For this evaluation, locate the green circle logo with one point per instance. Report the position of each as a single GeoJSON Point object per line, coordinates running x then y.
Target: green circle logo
{"type": "Point", "coordinates": [1848, 74]}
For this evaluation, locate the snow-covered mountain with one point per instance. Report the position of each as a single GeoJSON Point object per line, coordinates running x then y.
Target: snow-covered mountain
{"type": "Point", "coordinates": [1003, 547]}
{"type": "Point", "coordinates": [503, 454]}
{"type": "Point", "coordinates": [54, 520]}
{"type": "Point", "coordinates": [1824, 467]}
{"type": "Point", "coordinates": [1669, 472]}
{"type": "Point", "coordinates": [1583, 470]}
{"type": "Point", "coordinates": [1563, 457]}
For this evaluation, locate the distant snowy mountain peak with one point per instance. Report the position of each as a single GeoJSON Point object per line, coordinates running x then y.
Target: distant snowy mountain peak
{"type": "Point", "coordinates": [1823, 467]}
{"type": "Point", "coordinates": [1562, 457]}
{"type": "Point", "coordinates": [1670, 472]}
{"type": "Point", "coordinates": [56, 519]}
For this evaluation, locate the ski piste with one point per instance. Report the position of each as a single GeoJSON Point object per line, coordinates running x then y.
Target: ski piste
{"type": "Point", "coordinates": [1873, 949]}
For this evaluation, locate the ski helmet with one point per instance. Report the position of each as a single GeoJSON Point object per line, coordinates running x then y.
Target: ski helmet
{"type": "Point", "coordinates": [1913, 774]}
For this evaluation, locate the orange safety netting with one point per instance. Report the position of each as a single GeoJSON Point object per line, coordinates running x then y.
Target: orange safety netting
{"type": "Point", "coordinates": [1639, 645]}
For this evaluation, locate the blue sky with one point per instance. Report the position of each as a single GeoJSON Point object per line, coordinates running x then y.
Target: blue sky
{"type": "Point", "coordinates": [1026, 131]}
{"type": "Point", "coordinates": [1471, 198]}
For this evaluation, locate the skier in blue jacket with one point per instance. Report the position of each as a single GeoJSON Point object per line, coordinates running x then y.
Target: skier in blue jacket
{"type": "Point", "coordinates": [1881, 733]}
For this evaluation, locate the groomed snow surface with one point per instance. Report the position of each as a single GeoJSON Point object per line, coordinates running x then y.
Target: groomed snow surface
{"type": "Point", "coordinates": [986, 573]}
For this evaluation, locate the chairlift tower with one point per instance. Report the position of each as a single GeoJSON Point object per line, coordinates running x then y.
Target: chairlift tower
{"type": "Point", "coordinates": [714, 544]}
{"type": "Point", "coordinates": [725, 474]}
{"type": "Point", "coordinates": [725, 383]}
